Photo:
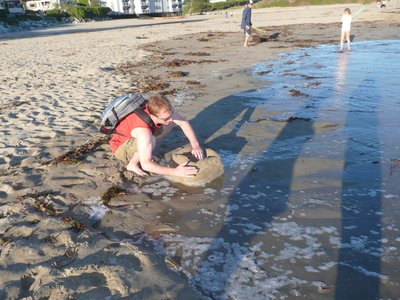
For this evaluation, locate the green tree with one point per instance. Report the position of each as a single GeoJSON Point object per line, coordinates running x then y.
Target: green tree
{"type": "Point", "coordinates": [196, 6]}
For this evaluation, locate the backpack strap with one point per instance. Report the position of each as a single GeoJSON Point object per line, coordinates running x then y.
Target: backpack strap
{"type": "Point", "coordinates": [145, 117]}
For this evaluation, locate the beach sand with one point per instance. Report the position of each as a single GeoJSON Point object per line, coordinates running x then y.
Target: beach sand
{"type": "Point", "coordinates": [56, 168]}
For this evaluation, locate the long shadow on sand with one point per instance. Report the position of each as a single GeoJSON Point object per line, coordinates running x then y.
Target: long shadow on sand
{"type": "Point", "coordinates": [69, 29]}
{"type": "Point", "coordinates": [358, 266]}
{"type": "Point", "coordinates": [359, 260]}
{"type": "Point", "coordinates": [265, 170]}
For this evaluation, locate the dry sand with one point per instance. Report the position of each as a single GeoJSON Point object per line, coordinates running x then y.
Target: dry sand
{"type": "Point", "coordinates": [55, 166]}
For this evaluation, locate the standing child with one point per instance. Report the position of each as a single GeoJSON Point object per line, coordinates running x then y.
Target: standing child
{"type": "Point", "coordinates": [346, 24]}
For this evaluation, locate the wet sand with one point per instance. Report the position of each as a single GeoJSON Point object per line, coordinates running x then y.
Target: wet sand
{"type": "Point", "coordinates": [56, 169]}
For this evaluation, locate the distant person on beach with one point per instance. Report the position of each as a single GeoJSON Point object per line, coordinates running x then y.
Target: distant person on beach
{"type": "Point", "coordinates": [246, 23]}
{"type": "Point", "coordinates": [346, 24]}
{"type": "Point", "coordinates": [381, 4]}
{"type": "Point", "coordinates": [134, 139]}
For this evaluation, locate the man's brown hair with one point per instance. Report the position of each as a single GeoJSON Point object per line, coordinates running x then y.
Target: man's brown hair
{"type": "Point", "coordinates": [157, 104]}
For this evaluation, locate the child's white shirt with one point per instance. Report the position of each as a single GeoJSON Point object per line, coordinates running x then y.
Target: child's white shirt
{"type": "Point", "coordinates": [346, 23]}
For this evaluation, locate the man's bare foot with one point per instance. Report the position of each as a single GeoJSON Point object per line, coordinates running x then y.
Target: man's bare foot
{"type": "Point", "coordinates": [246, 46]}
{"type": "Point", "coordinates": [137, 170]}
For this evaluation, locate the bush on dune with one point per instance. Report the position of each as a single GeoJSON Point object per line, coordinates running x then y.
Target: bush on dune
{"type": "Point", "coordinates": [200, 6]}
{"type": "Point", "coordinates": [56, 14]}
{"type": "Point", "coordinates": [227, 4]}
{"type": "Point", "coordinates": [83, 12]}
{"type": "Point", "coordinates": [3, 14]}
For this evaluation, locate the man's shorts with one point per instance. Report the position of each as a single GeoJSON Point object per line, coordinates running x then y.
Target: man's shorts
{"type": "Point", "coordinates": [126, 150]}
{"type": "Point", "coordinates": [247, 31]}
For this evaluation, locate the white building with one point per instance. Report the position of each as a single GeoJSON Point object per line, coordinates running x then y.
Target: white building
{"type": "Point", "coordinates": [147, 7]}
{"type": "Point", "coordinates": [119, 6]}
{"type": "Point", "coordinates": [158, 6]}
{"type": "Point", "coordinates": [41, 5]}
{"type": "Point", "coordinates": [44, 5]}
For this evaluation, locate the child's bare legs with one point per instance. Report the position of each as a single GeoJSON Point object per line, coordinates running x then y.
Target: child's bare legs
{"type": "Point", "coordinates": [348, 39]}
{"type": "Point", "coordinates": [344, 35]}
{"type": "Point", "coordinates": [342, 41]}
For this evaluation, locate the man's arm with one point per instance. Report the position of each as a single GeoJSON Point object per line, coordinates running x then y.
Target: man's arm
{"type": "Point", "coordinates": [145, 143]}
{"type": "Point", "coordinates": [189, 132]}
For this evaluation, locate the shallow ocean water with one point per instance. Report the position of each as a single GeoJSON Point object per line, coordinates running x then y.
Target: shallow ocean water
{"type": "Point", "coordinates": [310, 201]}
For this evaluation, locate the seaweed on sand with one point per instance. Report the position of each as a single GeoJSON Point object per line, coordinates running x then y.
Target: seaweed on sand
{"type": "Point", "coordinates": [12, 105]}
{"type": "Point", "coordinates": [178, 74]}
{"type": "Point", "coordinates": [168, 92]}
{"type": "Point", "coordinates": [184, 62]}
{"type": "Point", "coordinates": [74, 223]}
{"type": "Point", "coordinates": [296, 93]}
{"type": "Point", "coordinates": [144, 84]}
{"type": "Point", "coordinates": [45, 208]}
{"type": "Point", "coordinates": [261, 73]}
{"type": "Point", "coordinates": [197, 53]}
{"type": "Point", "coordinates": [76, 155]}
{"type": "Point", "coordinates": [43, 202]}
{"type": "Point", "coordinates": [111, 193]}
{"type": "Point", "coordinates": [193, 82]}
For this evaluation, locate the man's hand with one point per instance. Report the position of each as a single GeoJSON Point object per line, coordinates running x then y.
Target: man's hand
{"type": "Point", "coordinates": [184, 170]}
{"type": "Point", "coordinates": [198, 153]}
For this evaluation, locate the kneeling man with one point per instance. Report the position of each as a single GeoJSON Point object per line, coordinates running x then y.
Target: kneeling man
{"type": "Point", "coordinates": [136, 135]}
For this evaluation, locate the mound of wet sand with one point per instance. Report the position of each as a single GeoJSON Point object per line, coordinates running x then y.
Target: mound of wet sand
{"type": "Point", "coordinates": [209, 168]}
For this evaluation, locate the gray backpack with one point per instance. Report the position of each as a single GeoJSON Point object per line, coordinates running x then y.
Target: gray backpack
{"type": "Point", "coordinates": [120, 108]}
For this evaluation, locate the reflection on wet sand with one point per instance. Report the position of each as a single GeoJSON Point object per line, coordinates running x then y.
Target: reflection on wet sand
{"type": "Point", "coordinates": [343, 59]}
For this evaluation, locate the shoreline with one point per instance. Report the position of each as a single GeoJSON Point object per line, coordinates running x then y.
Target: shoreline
{"type": "Point", "coordinates": [51, 105]}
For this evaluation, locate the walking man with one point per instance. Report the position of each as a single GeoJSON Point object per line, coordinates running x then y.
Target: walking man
{"type": "Point", "coordinates": [246, 23]}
